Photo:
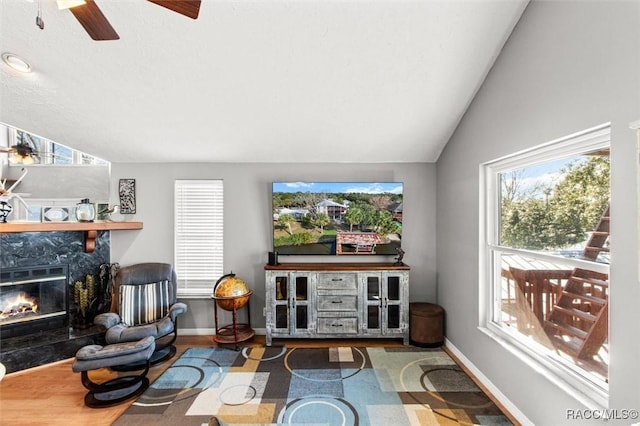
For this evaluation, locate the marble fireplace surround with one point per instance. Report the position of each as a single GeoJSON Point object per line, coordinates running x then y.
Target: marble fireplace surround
{"type": "Point", "coordinates": [25, 249]}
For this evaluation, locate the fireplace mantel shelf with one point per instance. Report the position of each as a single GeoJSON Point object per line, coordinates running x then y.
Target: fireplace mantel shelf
{"type": "Point", "coordinates": [89, 228]}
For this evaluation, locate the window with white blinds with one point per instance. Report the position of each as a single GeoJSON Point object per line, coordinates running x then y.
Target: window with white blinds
{"type": "Point", "coordinates": [199, 230]}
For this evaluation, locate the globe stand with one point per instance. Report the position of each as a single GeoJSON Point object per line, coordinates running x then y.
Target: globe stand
{"type": "Point", "coordinates": [235, 332]}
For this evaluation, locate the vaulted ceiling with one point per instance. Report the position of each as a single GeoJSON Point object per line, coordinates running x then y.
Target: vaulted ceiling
{"type": "Point", "coordinates": [265, 81]}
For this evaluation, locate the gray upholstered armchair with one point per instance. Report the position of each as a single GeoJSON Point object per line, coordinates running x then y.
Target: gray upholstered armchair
{"type": "Point", "coordinates": [144, 303]}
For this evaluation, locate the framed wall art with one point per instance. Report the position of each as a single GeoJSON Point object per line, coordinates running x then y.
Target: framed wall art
{"type": "Point", "coordinates": [102, 211]}
{"type": "Point", "coordinates": [33, 214]}
{"type": "Point", "coordinates": [127, 192]}
{"type": "Point", "coordinates": [56, 214]}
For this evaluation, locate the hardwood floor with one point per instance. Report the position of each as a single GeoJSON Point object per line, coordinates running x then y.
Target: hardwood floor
{"type": "Point", "coordinates": [53, 395]}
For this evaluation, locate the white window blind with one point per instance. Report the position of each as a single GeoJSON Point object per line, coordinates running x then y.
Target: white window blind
{"type": "Point", "coordinates": [199, 231]}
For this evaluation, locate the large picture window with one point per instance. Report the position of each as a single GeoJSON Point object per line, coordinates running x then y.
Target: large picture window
{"type": "Point", "coordinates": [199, 208]}
{"type": "Point", "coordinates": [546, 256]}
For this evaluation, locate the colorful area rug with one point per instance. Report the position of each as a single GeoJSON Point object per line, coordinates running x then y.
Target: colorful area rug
{"type": "Point", "coordinates": [314, 386]}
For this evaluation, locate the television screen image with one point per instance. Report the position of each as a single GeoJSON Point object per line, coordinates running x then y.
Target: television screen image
{"type": "Point", "coordinates": [337, 218]}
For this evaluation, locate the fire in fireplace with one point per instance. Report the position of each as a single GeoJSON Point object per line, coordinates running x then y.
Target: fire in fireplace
{"type": "Point", "coordinates": [33, 299]}
{"type": "Point", "coordinates": [18, 308]}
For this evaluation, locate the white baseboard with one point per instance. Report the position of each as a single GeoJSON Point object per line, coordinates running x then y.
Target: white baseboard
{"type": "Point", "coordinates": [211, 331]}
{"type": "Point", "coordinates": [196, 331]}
{"type": "Point", "coordinates": [506, 403]}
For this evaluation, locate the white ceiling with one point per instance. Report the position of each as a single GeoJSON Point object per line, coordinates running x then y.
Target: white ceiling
{"type": "Point", "coordinates": [262, 80]}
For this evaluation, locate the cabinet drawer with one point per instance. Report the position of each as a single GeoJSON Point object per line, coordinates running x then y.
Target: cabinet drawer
{"type": "Point", "coordinates": [338, 303]}
{"type": "Point", "coordinates": [338, 325]}
{"type": "Point", "coordinates": [331, 281]}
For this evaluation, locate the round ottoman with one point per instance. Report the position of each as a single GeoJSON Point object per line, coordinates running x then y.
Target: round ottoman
{"type": "Point", "coordinates": [114, 391]}
{"type": "Point", "coordinates": [426, 325]}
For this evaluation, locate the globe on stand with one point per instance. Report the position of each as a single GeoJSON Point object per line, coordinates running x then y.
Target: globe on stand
{"type": "Point", "coordinates": [231, 293]}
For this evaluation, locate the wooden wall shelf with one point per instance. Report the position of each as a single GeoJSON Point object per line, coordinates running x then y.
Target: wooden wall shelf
{"type": "Point", "coordinates": [89, 228]}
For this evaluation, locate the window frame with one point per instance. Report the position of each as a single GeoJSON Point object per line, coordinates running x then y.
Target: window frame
{"type": "Point", "coordinates": [593, 393]}
{"type": "Point", "coordinates": [46, 151]}
{"type": "Point", "coordinates": [197, 286]}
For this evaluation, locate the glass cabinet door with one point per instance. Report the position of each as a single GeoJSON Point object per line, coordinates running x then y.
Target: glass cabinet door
{"type": "Point", "coordinates": [281, 298]}
{"type": "Point", "coordinates": [393, 302]}
{"type": "Point", "coordinates": [300, 303]}
{"type": "Point", "coordinates": [373, 320]}
{"type": "Point", "coordinates": [383, 303]}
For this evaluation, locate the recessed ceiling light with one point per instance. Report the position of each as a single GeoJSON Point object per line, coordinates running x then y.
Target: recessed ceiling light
{"type": "Point", "coordinates": [16, 62]}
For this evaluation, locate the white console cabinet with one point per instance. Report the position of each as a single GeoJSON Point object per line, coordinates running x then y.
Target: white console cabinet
{"type": "Point", "coordinates": [333, 300]}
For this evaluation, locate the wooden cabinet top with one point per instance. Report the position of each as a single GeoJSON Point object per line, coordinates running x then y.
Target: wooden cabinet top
{"type": "Point", "coordinates": [337, 267]}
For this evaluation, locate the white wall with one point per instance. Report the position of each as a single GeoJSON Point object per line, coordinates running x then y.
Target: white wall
{"type": "Point", "coordinates": [568, 66]}
{"type": "Point", "coordinates": [248, 223]}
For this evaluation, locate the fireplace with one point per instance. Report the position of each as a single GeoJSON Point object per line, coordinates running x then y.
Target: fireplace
{"type": "Point", "coordinates": [33, 299]}
{"type": "Point", "coordinates": [20, 251]}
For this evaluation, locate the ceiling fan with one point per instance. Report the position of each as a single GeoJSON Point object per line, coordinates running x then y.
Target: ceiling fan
{"type": "Point", "coordinates": [21, 153]}
{"type": "Point", "coordinates": [98, 27]}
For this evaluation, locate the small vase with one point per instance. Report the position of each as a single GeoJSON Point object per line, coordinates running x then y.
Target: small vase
{"type": "Point", "coordinates": [5, 211]}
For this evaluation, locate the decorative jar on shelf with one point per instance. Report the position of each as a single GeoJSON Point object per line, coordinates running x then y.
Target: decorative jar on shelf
{"type": "Point", "coordinates": [5, 210]}
{"type": "Point", "coordinates": [85, 212]}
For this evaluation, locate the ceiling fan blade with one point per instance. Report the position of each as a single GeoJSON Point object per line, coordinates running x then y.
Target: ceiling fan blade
{"type": "Point", "coordinates": [189, 8]}
{"type": "Point", "coordinates": [94, 22]}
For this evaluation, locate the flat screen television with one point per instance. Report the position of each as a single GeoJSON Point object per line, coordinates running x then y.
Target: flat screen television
{"type": "Point", "coordinates": [337, 218]}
